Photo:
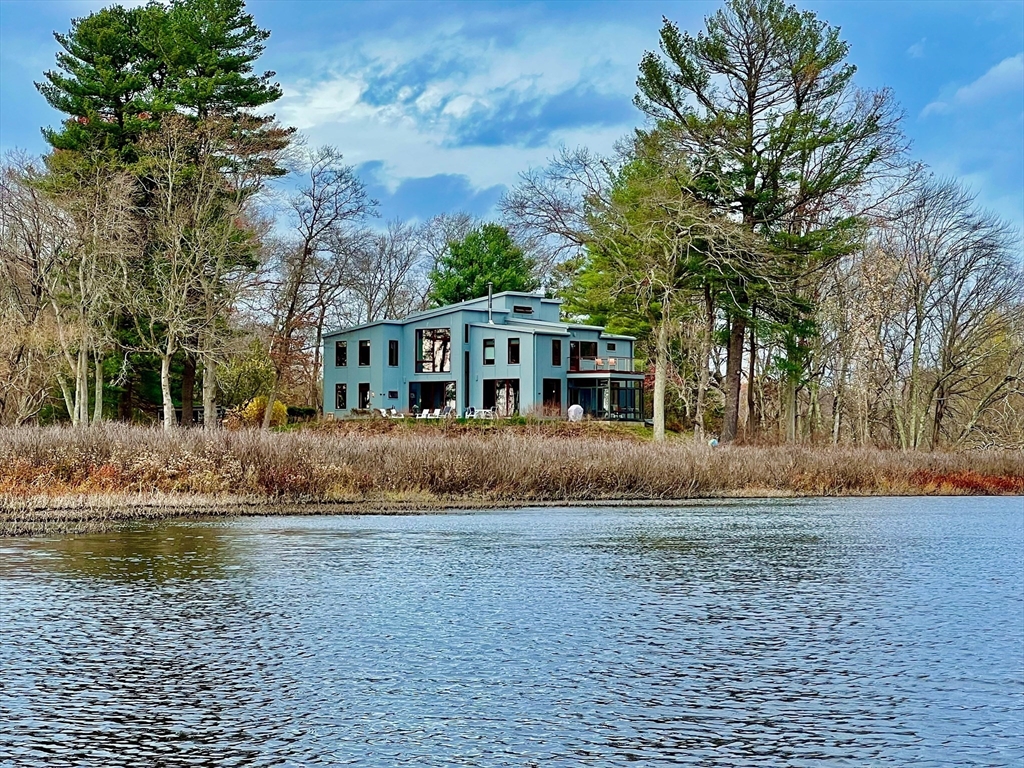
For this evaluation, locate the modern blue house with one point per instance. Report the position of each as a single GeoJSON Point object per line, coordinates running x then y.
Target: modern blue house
{"type": "Point", "coordinates": [508, 354]}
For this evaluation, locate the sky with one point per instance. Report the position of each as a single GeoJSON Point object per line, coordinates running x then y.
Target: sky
{"type": "Point", "coordinates": [441, 105]}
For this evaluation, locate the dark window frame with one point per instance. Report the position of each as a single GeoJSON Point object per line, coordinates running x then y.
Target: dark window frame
{"type": "Point", "coordinates": [340, 354]}
{"type": "Point", "coordinates": [514, 345]}
{"type": "Point", "coordinates": [340, 396]}
{"type": "Point", "coordinates": [611, 346]}
{"type": "Point", "coordinates": [521, 309]}
{"type": "Point", "coordinates": [364, 344]}
{"type": "Point", "coordinates": [393, 353]}
{"type": "Point", "coordinates": [556, 353]}
{"type": "Point", "coordinates": [489, 345]}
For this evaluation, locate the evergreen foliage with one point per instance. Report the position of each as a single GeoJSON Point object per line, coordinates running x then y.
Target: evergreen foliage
{"type": "Point", "coordinates": [486, 254]}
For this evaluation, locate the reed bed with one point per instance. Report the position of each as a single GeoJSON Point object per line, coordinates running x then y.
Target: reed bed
{"type": "Point", "coordinates": [77, 477]}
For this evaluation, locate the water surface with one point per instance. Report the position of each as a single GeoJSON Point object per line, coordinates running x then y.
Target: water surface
{"type": "Point", "coordinates": [803, 633]}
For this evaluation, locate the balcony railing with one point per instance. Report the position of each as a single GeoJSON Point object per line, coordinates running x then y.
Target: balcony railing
{"type": "Point", "coordinates": [599, 364]}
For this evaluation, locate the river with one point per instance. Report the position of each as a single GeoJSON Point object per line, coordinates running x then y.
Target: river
{"type": "Point", "coordinates": [783, 633]}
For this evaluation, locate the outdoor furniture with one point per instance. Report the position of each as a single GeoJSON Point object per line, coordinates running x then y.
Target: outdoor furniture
{"type": "Point", "coordinates": [448, 411]}
{"type": "Point", "coordinates": [383, 412]}
{"type": "Point", "coordinates": [470, 413]}
{"type": "Point", "coordinates": [394, 414]}
{"type": "Point", "coordinates": [435, 414]}
{"type": "Point", "coordinates": [424, 414]}
{"type": "Point", "coordinates": [485, 413]}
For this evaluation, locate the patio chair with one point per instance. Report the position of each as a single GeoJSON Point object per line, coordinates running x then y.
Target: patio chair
{"type": "Point", "coordinates": [424, 414]}
{"type": "Point", "coordinates": [448, 411]}
{"type": "Point", "coordinates": [394, 414]}
{"type": "Point", "coordinates": [470, 413]}
{"type": "Point", "coordinates": [383, 412]}
{"type": "Point", "coordinates": [435, 414]}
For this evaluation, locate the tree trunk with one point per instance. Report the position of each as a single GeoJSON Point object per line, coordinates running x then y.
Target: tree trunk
{"type": "Point", "coordinates": [269, 412]}
{"type": "Point", "coordinates": [753, 420]}
{"type": "Point", "coordinates": [788, 398]}
{"type": "Point", "coordinates": [660, 379]}
{"type": "Point", "coordinates": [704, 376]}
{"type": "Point", "coordinates": [188, 390]}
{"type": "Point", "coordinates": [82, 388]}
{"type": "Point", "coordinates": [209, 395]}
{"type": "Point", "coordinates": [97, 413]}
{"type": "Point", "coordinates": [733, 369]}
{"type": "Point", "coordinates": [170, 422]}
{"type": "Point", "coordinates": [69, 397]}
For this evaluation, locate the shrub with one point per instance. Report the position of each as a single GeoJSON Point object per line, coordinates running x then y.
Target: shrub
{"type": "Point", "coordinates": [252, 413]}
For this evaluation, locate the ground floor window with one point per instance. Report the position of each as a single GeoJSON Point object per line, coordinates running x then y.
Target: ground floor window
{"type": "Point", "coordinates": [609, 399]}
{"type": "Point", "coordinates": [430, 395]}
{"type": "Point", "coordinates": [552, 391]}
{"type": "Point", "coordinates": [502, 396]}
{"type": "Point", "coordinates": [364, 396]}
{"type": "Point", "coordinates": [340, 397]}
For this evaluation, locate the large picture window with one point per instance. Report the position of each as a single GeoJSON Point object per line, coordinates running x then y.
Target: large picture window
{"type": "Point", "coordinates": [364, 352]}
{"type": "Point", "coordinates": [433, 350]}
{"type": "Point", "coordinates": [340, 353]}
{"type": "Point", "coordinates": [340, 397]}
{"type": "Point", "coordinates": [513, 351]}
{"type": "Point", "coordinates": [502, 395]}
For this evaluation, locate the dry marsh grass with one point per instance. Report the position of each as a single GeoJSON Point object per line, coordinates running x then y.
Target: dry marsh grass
{"type": "Point", "coordinates": [66, 478]}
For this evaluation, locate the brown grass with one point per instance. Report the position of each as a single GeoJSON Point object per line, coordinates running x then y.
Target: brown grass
{"type": "Point", "coordinates": [74, 478]}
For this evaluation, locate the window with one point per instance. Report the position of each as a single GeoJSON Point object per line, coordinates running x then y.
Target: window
{"type": "Point", "coordinates": [364, 395]}
{"type": "Point", "coordinates": [393, 353]}
{"type": "Point", "coordinates": [513, 351]}
{"type": "Point", "coordinates": [364, 353]}
{"type": "Point", "coordinates": [519, 309]}
{"type": "Point", "coordinates": [502, 395]}
{"type": "Point", "coordinates": [556, 352]}
{"type": "Point", "coordinates": [340, 353]}
{"type": "Point", "coordinates": [465, 334]}
{"type": "Point", "coordinates": [340, 397]}
{"type": "Point", "coordinates": [611, 346]}
{"type": "Point", "coordinates": [392, 394]}
{"type": "Point", "coordinates": [430, 395]}
{"type": "Point", "coordinates": [488, 351]}
{"type": "Point", "coordinates": [588, 350]}
{"type": "Point", "coordinates": [433, 350]}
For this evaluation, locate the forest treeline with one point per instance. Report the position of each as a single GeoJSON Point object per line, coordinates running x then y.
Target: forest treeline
{"type": "Point", "coordinates": [790, 271]}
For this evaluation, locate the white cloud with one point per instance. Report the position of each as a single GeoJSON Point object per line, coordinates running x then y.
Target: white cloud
{"type": "Point", "coordinates": [916, 51]}
{"type": "Point", "coordinates": [400, 98]}
{"type": "Point", "coordinates": [1005, 77]}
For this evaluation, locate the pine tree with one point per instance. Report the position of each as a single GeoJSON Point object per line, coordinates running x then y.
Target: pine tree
{"type": "Point", "coordinates": [486, 254]}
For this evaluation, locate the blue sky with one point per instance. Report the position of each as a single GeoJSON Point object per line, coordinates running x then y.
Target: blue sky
{"type": "Point", "coordinates": [441, 105]}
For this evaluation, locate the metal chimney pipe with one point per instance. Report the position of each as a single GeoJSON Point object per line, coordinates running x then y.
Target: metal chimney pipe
{"type": "Point", "coordinates": [490, 301]}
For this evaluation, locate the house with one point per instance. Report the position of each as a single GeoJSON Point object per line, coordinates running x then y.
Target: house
{"type": "Point", "coordinates": [508, 352]}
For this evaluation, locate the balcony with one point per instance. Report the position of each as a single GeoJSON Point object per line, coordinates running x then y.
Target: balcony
{"type": "Point", "coordinates": [601, 365]}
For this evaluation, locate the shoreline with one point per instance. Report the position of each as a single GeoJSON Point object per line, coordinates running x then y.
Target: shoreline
{"type": "Point", "coordinates": [67, 481]}
{"type": "Point", "coordinates": [99, 513]}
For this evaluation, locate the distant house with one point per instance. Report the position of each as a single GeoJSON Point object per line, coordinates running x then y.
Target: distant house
{"type": "Point", "coordinates": [507, 354]}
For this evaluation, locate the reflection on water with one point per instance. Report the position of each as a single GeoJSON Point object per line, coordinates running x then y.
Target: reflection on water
{"type": "Point", "coordinates": [875, 631]}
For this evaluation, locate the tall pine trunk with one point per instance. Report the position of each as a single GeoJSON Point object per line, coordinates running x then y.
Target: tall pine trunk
{"type": "Point", "coordinates": [733, 369]}
{"type": "Point", "coordinates": [753, 419]}
{"type": "Point", "coordinates": [704, 377]}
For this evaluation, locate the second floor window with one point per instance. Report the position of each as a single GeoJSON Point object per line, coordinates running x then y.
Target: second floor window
{"type": "Point", "coordinates": [488, 351]}
{"type": "Point", "coordinates": [513, 351]}
{"type": "Point", "coordinates": [433, 350]}
{"type": "Point", "coordinates": [340, 353]}
{"type": "Point", "coordinates": [393, 352]}
{"type": "Point", "coordinates": [364, 352]}
{"type": "Point", "coordinates": [556, 352]}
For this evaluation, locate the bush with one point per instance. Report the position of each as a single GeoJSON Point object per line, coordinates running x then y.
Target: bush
{"type": "Point", "coordinates": [252, 414]}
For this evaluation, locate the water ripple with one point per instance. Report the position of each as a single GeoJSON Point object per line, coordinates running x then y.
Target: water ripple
{"type": "Point", "coordinates": [839, 632]}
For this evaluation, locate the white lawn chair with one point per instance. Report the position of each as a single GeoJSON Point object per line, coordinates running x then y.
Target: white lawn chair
{"type": "Point", "coordinates": [394, 414]}
{"type": "Point", "coordinates": [435, 414]}
{"type": "Point", "coordinates": [470, 413]}
{"type": "Point", "coordinates": [383, 412]}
